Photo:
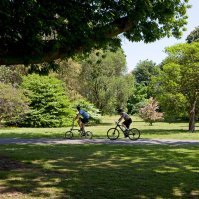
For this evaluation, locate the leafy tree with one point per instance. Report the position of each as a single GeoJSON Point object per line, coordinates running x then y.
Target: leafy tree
{"type": "Point", "coordinates": [13, 103]}
{"type": "Point", "coordinates": [149, 112]}
{"type": "Point", "coordinates": [123, 89]}
{"type": "Point", "coordinates": [43, 68]}
{"type": "Point", "coordinates": [49, 105]}
{"type": "Point", "coordinates": [174, 106]}
{"type": "Point", "coordinates": [137, 98]}
{"type": "Point", "coordinates": [143, 71]}
{"type": "Point", "coordinates": [102, 80]}
{"type": "Point", "coordinates": [34, 31]}
{"type": "Point", "coordinates": [10, 76]}
{"type": "Point", "coordinates": [179, 80]}
{"type": "Point", "coordinates": [69, 72]}
{"type": "Point", "coordinates": [193, 36]}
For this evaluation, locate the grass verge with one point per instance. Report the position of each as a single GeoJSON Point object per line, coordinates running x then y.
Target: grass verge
{"type": "Point", "coordinates": [160, 130]}
{"type": "Point", "coordinates": [99, 171]}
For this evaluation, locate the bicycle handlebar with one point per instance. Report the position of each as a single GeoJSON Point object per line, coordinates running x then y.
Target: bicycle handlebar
{"type": "Point", "coordinates": [117, 123]}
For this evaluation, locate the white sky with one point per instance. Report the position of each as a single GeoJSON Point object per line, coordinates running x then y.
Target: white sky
{"type": "Point", "coordinates": [154, 51]}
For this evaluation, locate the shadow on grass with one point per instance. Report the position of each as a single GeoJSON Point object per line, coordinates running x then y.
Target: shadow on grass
{"type": "Point", "coordinates": [101, 171]}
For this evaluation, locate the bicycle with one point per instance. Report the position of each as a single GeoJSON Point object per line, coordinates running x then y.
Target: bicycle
{"type": "Point", "coordinates": [82, 133]}
{"type": "Point", "coordinates": [114, 133]}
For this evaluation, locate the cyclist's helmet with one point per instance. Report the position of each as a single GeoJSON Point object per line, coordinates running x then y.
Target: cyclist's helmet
{"type": "Point", "coordinates": [119, 110]}
{"type": "Point", "coordinates": [78, 107]}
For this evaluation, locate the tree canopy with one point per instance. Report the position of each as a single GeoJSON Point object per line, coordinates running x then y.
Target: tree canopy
{"type": "Point", "coordinates": [193, 36]}
{"type": "Point", "coordinates": [178, 83]}
{"type": "Point", "coordinates": [36, 31]}
{"type": "Point", "coordinates": [144, 70]}
{"type": "Point", "coordinates": [103, 80]}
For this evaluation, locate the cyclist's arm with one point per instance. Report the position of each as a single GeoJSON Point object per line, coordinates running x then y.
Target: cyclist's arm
{"type": "Point", "coordinates": [120, 119]}
{"type": "Point", "coordinates": [77, 116]}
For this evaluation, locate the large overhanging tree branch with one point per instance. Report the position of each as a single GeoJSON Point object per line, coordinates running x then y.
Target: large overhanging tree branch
{"type": "Point", "coordinates": [37, 31]}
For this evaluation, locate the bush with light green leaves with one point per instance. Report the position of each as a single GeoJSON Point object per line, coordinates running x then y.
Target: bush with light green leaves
{"type": "Point", "coordinates": [49, 105]}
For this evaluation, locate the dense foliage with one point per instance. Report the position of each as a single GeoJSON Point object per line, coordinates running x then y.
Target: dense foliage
{"type": "Point", "coordinates": [49, 105]}
{"type": "Point", "coordinates": [177, 86]}
{"type": "Point", "coordinates": [69, 72]}
{"type": "Point", "coordinates": [193, 36]}
{"type": "Point", "coordinates": [35, 31]}
{"type": "Point", "coordinates": [137, 98]}
{"type": "Point", "coordinates": [104, 81]}
{"type": "Point", "coordinates": [13, 104]}
{"type": "Point", "coordinates": [143, 73]}
{"type": "Point", "coordinates": [8, 75]}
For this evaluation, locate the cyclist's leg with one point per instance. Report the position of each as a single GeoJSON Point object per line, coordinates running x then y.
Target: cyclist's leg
{"type": "Point", "coordinates": [124, 124]}
{"type": "Point", "coordinates": [80, 123]}
{"type": "Point", "coordinates": [127, 124]}
{"type": "Point", "coordinates": [83, 122]}
{"type": "Point", "coordinates": [129, 121]}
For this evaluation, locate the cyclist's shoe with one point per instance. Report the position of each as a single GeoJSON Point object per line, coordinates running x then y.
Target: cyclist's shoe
{"type": "Point", "coordinates": [83, 132]}
{"type": "Point", "coordinates": [126, 133]}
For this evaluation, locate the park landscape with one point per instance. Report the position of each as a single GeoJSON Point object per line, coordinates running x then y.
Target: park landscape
{"type": "Point", "coordinates": [100, 170]}
{"type": "Point", "coordinates": [55, 56]}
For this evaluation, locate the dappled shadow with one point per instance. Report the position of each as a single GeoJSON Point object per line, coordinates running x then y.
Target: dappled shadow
{"type": "Point", "coordinates": [102, 171]}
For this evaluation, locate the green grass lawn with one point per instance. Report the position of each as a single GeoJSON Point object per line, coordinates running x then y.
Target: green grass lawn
{"type": "Point", "coordinates": [160, 130]}
{"type": "Point", "coordinates": [99, 171]}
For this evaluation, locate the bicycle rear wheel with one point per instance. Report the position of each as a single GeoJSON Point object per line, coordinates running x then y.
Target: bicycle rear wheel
{"type": "Point", "coordinates": [113, 134]}
{"type": "Point", "coordinates": [88, 135]}
{"type": "Point", "coordinates": [134, 134]}
{"type": "Point", "coordinates": [68, 134]}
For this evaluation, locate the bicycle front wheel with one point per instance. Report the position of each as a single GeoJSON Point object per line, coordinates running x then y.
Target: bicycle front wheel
{"type": "Point", "coordinates": [134, 134]}
{"type": "Point", "coordinates": [68, 134]}
{"type": "Point", "coordinates": [113, 134]}
{"type": "Point", "coordinates": [88, 135]}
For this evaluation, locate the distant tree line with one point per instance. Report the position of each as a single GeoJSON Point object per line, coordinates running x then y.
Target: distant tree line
{"type": "Point", "coordinates": [39, 96]}
{"type": "Point", "coordinates": [174, 83]}
{"type": "Point", "coordinates": [46, 94]}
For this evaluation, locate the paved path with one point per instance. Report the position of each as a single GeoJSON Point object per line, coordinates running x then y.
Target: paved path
{"type": "Point", "coordinates": [95, 141]}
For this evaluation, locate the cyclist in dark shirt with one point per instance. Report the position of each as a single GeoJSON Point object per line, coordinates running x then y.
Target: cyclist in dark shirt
{"type": "Point", "coordinates": [127, 120]}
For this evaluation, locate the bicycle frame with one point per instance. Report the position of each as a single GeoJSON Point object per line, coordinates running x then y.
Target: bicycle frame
{"type": "Point", "coordinates": [78, 130]}
{"type": "Point", "coordinates": [69, 134]}
{"type": "Point", "coordinates": [120, 127]}
{"type": "Point", "coordinates": [113, 133]}
{"type": "Point", "coordinates": [73, 124]}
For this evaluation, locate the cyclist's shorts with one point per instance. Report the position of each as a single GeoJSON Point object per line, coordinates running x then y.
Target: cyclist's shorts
{"type": "Point", "coordinates": [127, 122]}
{"type": "Point", "coordinates": [84, 120]}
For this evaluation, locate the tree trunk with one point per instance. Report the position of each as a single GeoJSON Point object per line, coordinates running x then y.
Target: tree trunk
{"type": "Point", "coordinates": [192, 117]}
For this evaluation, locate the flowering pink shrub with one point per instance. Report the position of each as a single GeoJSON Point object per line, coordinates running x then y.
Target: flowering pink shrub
{"type": "Point", "coordinates": [149, 112]}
